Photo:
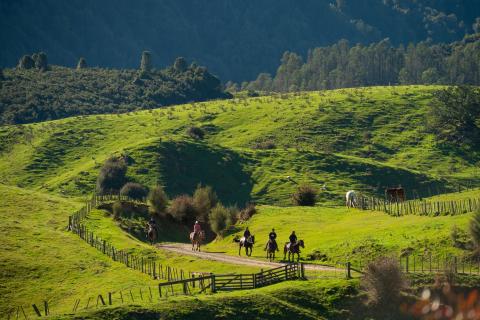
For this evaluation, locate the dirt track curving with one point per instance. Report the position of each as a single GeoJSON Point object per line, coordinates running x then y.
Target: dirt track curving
{"type": "Point", "coordinates": [187, 250]}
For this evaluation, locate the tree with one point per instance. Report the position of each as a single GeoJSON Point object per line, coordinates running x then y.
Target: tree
{"type": "Point", "coordinates": [41, 62]}
{"type": "Point", "coordinates": [112, 176]}
{"type": "Point", "coordinates": [146, 63]}
{"type": "Point", "coordinates": [82, 63]}
{"type": "Point", "coordinates": [26, 62]}
{"type": "Point", "coordinates": [475, 230]}
{"type": "Point", "coordinates": [455, 115]}
{"type": "Point", "coordinates": [180, 64]}
{"type": "Point", "coordinates": [134, 190]}
{"type": "Point", "coordinates": [158, 200]}
{"type": "Point", "coordinates": [204, 199]}
{"type": "Point", "coordinates": [182, 209]}
{"type": "Point", "coordinates": [476, 25]}
{"type": "Point", "coordinates": [220, 218]}
{"type": "Point", "coordinates": [2, 77]}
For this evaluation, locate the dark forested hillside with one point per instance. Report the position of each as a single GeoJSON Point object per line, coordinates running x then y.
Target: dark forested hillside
{"type": "Point", "coordinates": [236, 39]}
{"type": "Point", "coordinates": [31, 95]}
{"type": "Point", "coordinates": [344, 65]}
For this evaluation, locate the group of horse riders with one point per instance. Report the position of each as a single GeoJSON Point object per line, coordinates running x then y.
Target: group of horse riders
{"type": "Point", "coordinates": [272, 238]}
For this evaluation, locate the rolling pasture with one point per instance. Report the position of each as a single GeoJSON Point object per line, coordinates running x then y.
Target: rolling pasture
{"type": "Point", "coordinates": [255, 149]}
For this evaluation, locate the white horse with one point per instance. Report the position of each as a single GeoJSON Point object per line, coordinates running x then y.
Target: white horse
{"type": "Point", "coordinates": [351, 199]}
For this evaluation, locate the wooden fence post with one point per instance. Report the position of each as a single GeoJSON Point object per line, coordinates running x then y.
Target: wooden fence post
{"type": "Point", "coordinates": [37, 311]}
{"type": "Point", "coordinates": [349, 271]}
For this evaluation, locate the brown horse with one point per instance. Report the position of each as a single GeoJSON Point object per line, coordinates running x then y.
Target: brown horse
{"type": "Point", "coordinates": [271, 247]}
{"type": "Point", "coordinates": [247, 243]}
{"type": "Point", "coordinates": [196, 238]}
{"type": "Point", "coordinates": [151, 234]}
{"type": "Point", "coordinates": [292, 250]}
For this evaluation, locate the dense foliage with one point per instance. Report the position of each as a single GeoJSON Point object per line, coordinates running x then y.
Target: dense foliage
{"type": "Point", "coordinates": [243, 39]}
{"type": "Point", "coordinates": [134, 190]}
{"type": "Point", "coordinates": [158, 200]}
{"type": "Point", "coordinates": [112, 176]}
{"type": "Point", "coordinates": [305, 195]}
{"type": "Point", "coordinates": [343, 65]}
{"type": "Point", "coordinates": [28, 95]}
{"type": "Point", "coordinates": [454, 116]}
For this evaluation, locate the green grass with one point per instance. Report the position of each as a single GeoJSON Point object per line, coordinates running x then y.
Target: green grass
{"type": "Point", "coordinates": [362, 139]}
{"type": "Point", "coordinates": [323, 299]}
{"type": "Point", "coordinates": [365, 139]}
{"type": "Point", "coordinates": [348, 234]}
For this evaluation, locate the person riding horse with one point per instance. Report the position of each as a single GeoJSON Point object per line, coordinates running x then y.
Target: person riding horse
{"type": "Point", "coordinates": [272, 236]}
{"type": "Point", "coordinates": [246, 233]}
{"type": "Point", "coordinates": [151, 230]}
{"type": "Point", "coordinates": [197, 228]}
{"type": "Point", "coordinates": [293, 239]}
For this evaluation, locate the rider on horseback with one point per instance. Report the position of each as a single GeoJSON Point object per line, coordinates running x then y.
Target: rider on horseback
{"type": "Point", "coordinates": [197, 228]}
{"type": "Point", "coordinates": [152, 223]}
{"type": "Point", "coordinates": [246, 233]}
{"type": "Point", "coordinates": [271, 238]}
{"type": "Point", "coordinates": [293, 239]}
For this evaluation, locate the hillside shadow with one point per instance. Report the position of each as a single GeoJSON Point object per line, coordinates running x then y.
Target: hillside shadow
{"type": "Point", "coordinates": [183, 165]}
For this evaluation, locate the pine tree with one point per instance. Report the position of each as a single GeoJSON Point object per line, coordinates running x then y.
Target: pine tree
{"type": "Point", "coordinates": [82, 63]}
{"type": "Point", "coordinates": [146, 63]}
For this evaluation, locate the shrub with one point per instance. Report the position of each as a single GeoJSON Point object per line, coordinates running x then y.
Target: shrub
{"type": "Point", "coordinates": [204, 199]}
{"type": "Point", "coordinates": [1, 74]}
{"type": "Point", "coordinates": [475, 230]}
{"type": "Point", "coordinates": [305, 196]}
{"type": "Point", "coordinates": [196, 132]}
{"type": "Point", "coordinates": [134, 191]}
{"type": "Point", "coordinates": [220, 218]}
{"type": "Point", "coordinates": [182, 209]}
{"type": "Point", "coordinates": [112, 176]}
{"type": "Point", "coordinates": [158, 200]}
{"type": "Point", "coordinates": [247, 212]}
{"type": "Point", "coordinates": [265, 145]}
{"type": "Point", "coordinates": [117, 209]}
{"type": "Point", "coordinates": [383, 282]}
{"type": "Point", "coordinates": [82, 63]}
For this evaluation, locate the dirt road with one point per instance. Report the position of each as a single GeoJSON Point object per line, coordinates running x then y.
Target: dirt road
{"type": "Point", "coordinates": [187, 250]}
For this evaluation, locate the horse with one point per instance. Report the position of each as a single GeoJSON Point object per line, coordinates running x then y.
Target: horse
{"type": "Point", "coordinates": [271, 247]}
{"type": "Point", "coordinates": [151, 233]}
{"type": "Point", "coordinates": [196, 238]}
{"type": "Point", "coordinates": [351, 199]}
{"type": "Point", "coordinates": [395, 194]}
{"type": "Point", "coordinates": [292, 249]}
{"type": "Point", "coordinates": [247, 243]}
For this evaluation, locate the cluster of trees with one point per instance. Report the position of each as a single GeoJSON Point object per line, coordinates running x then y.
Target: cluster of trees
{"type": "Point", "coordinates": [343, 65]}
{"type": "Point", "coordinates": [244, 39]}
{"type": "Point", "coordinates": [454, 116]}
{"type": "Point", "coordinates": [27, 95]}
{"type": "Point", "coordinates": [203, 205]}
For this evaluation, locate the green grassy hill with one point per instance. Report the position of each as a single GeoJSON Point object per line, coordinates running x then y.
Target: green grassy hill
{"type": "Point", "coordinates": [363, 139]}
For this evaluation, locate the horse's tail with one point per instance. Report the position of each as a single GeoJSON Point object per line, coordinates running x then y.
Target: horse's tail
{"type": "Point", "coordinates": [236, 240]}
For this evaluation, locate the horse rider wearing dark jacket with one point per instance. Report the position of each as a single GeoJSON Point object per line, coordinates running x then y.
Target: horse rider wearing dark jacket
{"type": "Point", "coordinates": [272, 236]}
{"type": "Point", "coordinates": [246, 233]}
{"type": "Point", "coordinates": [293, 238]}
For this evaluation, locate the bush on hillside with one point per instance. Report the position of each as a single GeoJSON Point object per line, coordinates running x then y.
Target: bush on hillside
{"type": "Point", "coordinates": [134, 191]}
{"type": "Point", "coordinates": [247, 212]}
{"type": "Point", "coordinates": [265, 145]}
{"type": "Point", "coordinates": [180, 64]}
{"type": "Point", "coordinates": [204, 199]}
{"type": "Point", "coordinates": [383, 282]}
{"type": "Point", "coordinates": [146, 62]}
{"type": "Point", "coordinates": [305, 195]}
{"type": "Point", "coordinates": [158, 200]}
{"type": "Point", "coordinates": [220, 218]}
{"type": "Point", "coordinates": [41, 62]}
{"type": "Point", "coordinates": [26, 62]}
{"type": "Point", "coordinates": [475, 230]}
{"type": "Point", "coordinates": [196, 132]}
{"type": "Point", "coordinates": [118, 210]}
{"type": "Point", "coordinates": [182, 209]}
{"type": "Point", "coordinates": [112, 176]}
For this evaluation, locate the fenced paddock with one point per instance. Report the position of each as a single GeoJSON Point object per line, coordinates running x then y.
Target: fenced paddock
{"type": "Point", "coordinates": [420, 207]}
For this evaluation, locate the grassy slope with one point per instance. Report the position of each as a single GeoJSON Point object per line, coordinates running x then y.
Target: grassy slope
{"type": "Point", "coordinates": [347, 235]}
{"type": "Point", "coordinates": [63, 157]}
{"type": "Point", "coordinates": [324, 299]}
{"type": "Point", "coordinates": [41, 260]}
{"type": "Point", "coordinates": [355, 138]}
